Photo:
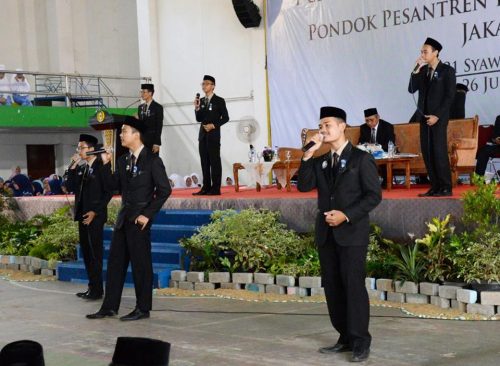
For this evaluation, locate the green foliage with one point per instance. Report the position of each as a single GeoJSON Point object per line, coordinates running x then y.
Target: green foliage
{"type": "Point", "coordinates": [410, 266]}
{"type": "Point", "coordinates": [436, 249]}
{"type": "Point", "coordinates": [256, 239]}
{"type": "Point", "coordinates": [381, 254]}
{"type": "Point", "coordinates": [481, 206]}
{"type": "Point", "coordinates": [113, 209]}
{"type": "Point", "coordinates": [16, 238]}
{"type": "Point", "coordinates": [305, 264]}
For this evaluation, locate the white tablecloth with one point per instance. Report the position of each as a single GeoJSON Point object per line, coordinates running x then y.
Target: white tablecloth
{"type": "Point", "coordinates": [259, 172]}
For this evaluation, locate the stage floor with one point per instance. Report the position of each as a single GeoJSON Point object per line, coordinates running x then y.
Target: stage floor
{"type": "Point", "coordinates": [401, 211]}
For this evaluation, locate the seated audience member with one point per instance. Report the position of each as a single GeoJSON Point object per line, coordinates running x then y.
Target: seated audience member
{"type": "Point", "coordinates": [457, 108]}
{"type": "Point", "coordinates": [37, 187]}
{"type": "Point", "coordinates": [19, 87]}
{"type": "Point", "coordinates": [4, 189]}
{"type": "Point", "coordinates": [188, 181]}
{"type": "Point", "coordinates": [177, 180]}
{"type": "Point", "coordinates": [489, 150]}
{"type": "Point", "coordinates": [21, 185]}
{"type": "Point", "coordinates": [55, 185]}
{"type": "Point", "coordinates": [229, 181]}
{"type": "Point", "coordinates": [376, 130]}
{"type": "Point", "coordinates": [5, 98]}
{"type": "Point", "coordinates": [46, 187]}
{"type": "Point", "coordinates": [15, 171]}
{"type": "Point", "coordinates": [196, 180]}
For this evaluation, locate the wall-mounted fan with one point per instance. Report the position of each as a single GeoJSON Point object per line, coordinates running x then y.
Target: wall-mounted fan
{"type": "Point", "coordinates": [248, 131]}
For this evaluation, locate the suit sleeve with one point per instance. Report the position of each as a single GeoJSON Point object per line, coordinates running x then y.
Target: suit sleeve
{"type": "Point", "coordinates": [372, 193]}
{"type": "Point", "coordinates": [414, 84]}
{"type": "Point", "coordinates": [390, 133]}
{"type": "Point", "coordinates": [72, 180]}
{"type": "Point", "coordinates": [158, 125]}
{"type": "Point", "coordinates": [200, 114]}
{"type": "Point", "coordinates": [307, 176]}
{"type": "Point", "coordinates": [450, 87]}
{"type": "Point", "coordinates": [363, 135]}
{"type": "Point", "coordinates": [162, 189]}
{"type": "Point", "coordinates": [111, 181]}
{"type": "Point", "coordinates": [224, 117]}
{"type": "Point", "coordinates": [106, 197]}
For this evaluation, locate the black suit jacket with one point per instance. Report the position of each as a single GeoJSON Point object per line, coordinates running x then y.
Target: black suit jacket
{"type": "Point", "coordinates": [144, 191]}
{"type": "Point", "coordinates": [214, 112]}
{"type": "Point", "coordinates": [91, 193]}
{"type": "Point", "coordinates": [355, 191]}
{"type": "Point", "coordinates": [153, 118]}
{"type": "Point", "coordinates": [434, 96]}
{"type": "Point", "coordinates": [385, 133]}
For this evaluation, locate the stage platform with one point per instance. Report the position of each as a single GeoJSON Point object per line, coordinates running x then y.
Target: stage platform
{"type": "Point", "coordinates": [400, 212]}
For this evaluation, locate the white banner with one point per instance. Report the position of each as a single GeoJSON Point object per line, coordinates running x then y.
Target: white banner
{"type": "Point", "coordinates": [359, 54]}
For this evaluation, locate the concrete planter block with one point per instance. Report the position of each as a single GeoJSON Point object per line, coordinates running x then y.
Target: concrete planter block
{"type": "Point", "coordinates": [486, 310]}
{"type": "Point", "coordinates": [417, 299]}
{"type": "Point", "coordinates": [230, 286]}
{"type": "Point", "coordinates": [309, 282]}
{"type": "Point", "coordinates": [200, 286]}
{"type": "Point", "coordinates": [275, 289]}
{"type": "Point", "coordinates": [53, 264]}
{"type": "Point", "coordinates": [396, 297]}
{"type": "Point", "coordinates": [317, 291]}
{"type": "Point", "coordinates": [242, 277]}
{"type": "Point", "coordinates": [287, 281]}
{"type": "Point", "coordinates": [449, 292]}
{"type": "Point", "coordinates": [12, 259]}
{"type": "Point", "coordinates": [255, 287]}
{"type": "Point", "coordinates": [20, 260]}
{"type": "Point", "coordinates": [47, 272]}
{"type": "Point", "coordinates": [370, 283]}
{"type": "Point", "coordinates": [173, 284]}
{"type": "Point", "coordinates": [467, 296]}
{"type": "Point", "coordinates": [407, 287]}
{"type": "Point", "coordinates": [36, 262]}
{"type": "Point", "coordinates": [296, 291]}
{"type": "Point", "coordinates": [219, 277]}
{"type": "Point", "coordinates": [4, 259]}
{"type": "Point", "coordinates": [383, 284]}
{"type": "Point", "coordinates": [195, 277]}
{"type": "Point", "coordinates": [13, 266]}
{"type": "Point", "coordinates": [186, 285]}
{"type": "Point", "coordinates": [178, 275]}
{"type": "Point", "coordinates": [429, 288]}
{"type": "Point", "coordinates": [264, 278]}
{"type": "Point", "coordinates": [490, 297]}
{"type": "Point", "coordinates": [24, 267]}
{"type": "Point", "coordinates": [35, 271]}
{"type": "Point", "coordinates": [440, 302]}
{"type": "Point", "coordinates": [376, 295]}
{"type": "Point", "coordinates": [3, 266]}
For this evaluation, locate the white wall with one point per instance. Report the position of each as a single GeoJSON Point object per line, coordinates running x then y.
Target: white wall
{"type": "Point", "coordinates": [180, 41]}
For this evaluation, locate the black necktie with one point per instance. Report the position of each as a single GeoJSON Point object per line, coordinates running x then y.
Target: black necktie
{"type": "Point", "coordinates": [132, 163]}
{"type": "Point", "coordinates": [335, 160]}
{"type": "Point", "coordinates": [373, 136]}
{"type": "Point", "coordinates": [429, 75]}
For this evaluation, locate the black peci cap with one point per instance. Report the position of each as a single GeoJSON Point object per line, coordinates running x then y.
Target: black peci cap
{"type": "Point", "coordinates": [332, 112]}
{"type": "Point", "coordinates": [135, 123]}
{"type": "Point", "coordinates": [370, 112]}
{"type": "Point", "coordinates": [149, 87]}
{"type": "Point", "coordinates": [433, 43]}
{"type": "Point", "coordinates": [209, 78]}
{"type": "Point", "coordinates": [88, 138]}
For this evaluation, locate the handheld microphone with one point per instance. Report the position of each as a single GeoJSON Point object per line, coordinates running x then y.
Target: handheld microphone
{"type": "Point", "coordinates": [98, 151]}
{"type": "Point", "coordinates": [308, 146]}
{"type": "Point", "coordinates": [417, 66]}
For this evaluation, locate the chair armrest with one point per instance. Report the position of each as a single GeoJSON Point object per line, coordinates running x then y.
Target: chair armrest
{"type": "Point", "coordinates": [464, 144]}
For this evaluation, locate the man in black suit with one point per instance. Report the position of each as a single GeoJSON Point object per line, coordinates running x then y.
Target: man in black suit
{"type": "Point", "coordinates": [436, 84]}
{"type": "Point", "coordinates": [377, 131]}
{"type": "Point", "coordinates": [141, 178]}
{"type": "Point", "coordinates": [151, 113]}
{"type": "Point", "coordinates": [348, 189]}
{"type": "Point", "coordinates": [489, 150]}
{"type": "Point", "coordinates": [211, 111]}
{"type": "Point", "coordinates": [91, 202]}
{"type": "Point", "coordinates": [457, 109]}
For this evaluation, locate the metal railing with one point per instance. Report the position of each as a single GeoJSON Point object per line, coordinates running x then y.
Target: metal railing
{"type": "Point", "coordinates": [80, 90]}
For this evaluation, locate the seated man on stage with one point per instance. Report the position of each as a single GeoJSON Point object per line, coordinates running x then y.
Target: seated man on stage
{"type": "Point", "coordinates": [377, 131]}
{"type": "Point", "coordinates": [489, 150]}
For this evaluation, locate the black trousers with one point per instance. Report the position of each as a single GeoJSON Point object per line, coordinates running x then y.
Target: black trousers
{"type": "Point", "coordinates": [132, 245]}
{"type": "Point", "coordinates": [343, 278]}
{"type": "Point", "coordinates": [92, 250]}
{"type": "Point", "coordinates": [434, 146]}
{"type": "Point", "coordinates": [483, 155]}
{"type": "Point", "coordinates": [211, 165]}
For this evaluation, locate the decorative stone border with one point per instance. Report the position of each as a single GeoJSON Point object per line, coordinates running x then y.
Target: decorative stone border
{"type": "Point", "coordinates": [443, 296]}
{"type": "Point", "coordinates": [29, 264]}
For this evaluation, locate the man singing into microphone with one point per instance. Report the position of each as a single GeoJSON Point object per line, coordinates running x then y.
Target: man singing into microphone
{"type": "Point", "coordinates": [151, 113]}
{"type": "Point", "coordinates": [91, 201]}
{"type": "Point", "coordinates": [348, 189]}
{"type": "Point", "coordinates": [141, 178]}
{"type": "Point", "coordinates": [212, 113]}
{"type": "Point", "coordinates": [435, 83]}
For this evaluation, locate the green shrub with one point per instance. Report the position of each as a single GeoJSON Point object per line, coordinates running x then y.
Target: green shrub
{"type": "Point", "coordinates": [410, 266]}
{"type": "Point", "coordinates": [381, 254]}
{"type": "Point", "coordinates": [481, 206]}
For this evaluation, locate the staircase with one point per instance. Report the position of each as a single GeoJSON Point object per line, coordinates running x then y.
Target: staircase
{"type": "Point", "coordinates": [169, 226]}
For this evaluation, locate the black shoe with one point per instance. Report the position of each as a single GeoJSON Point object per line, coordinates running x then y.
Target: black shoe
{"type": "Point", "coordinates": [339, 347]}
{"type": "Point", "coordinates": [101, 314]}
{"type": "Point", "coordinates": [92, 297]}
{"type": "Point", "coordinates": [360, 355]}
{"type": "Point", "coordinates": [201, 192]}
{"type": "Point", "coordinates": [135, 315]}
{"type": "Point", "coordinates": [213, 193]}
{"type": "Point", "coordinates": [443, 193]}
{"type": "Point", "coordinates": [82, 294]}
{"type": "Point", "coordinates": [429, 193]}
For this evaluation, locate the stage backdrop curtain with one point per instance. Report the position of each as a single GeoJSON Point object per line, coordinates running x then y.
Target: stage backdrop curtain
{"type": "Point", "coordinates": [359, 54]}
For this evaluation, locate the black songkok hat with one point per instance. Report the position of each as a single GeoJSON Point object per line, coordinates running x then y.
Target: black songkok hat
{"type": "Point", "coordinates": [209, 78]}
{"type": "Point", "coordinates": [433, 43]}
{"type": "Point", "coordinates": [370, 112]}
{"type": "Point", "coordinates": [135, 123]}
{"type": "Point", "coordinates": [88, 138]}
{"type": "Point", "coordinates": [134, 351]}
{"type": "Point", "coordinates": [149, 87]}
{"type": "Point", "coordinates": [463, 87]}
{"type": "Point", "coordinates": [28, 353]}
{"type": "Point", "coordinates": [332, 112]}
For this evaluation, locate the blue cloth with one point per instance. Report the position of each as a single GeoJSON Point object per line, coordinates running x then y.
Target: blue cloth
{"type": "Point", "coordinates": [24, 185]}
{"type": "Point", "coordinates": [8, 101]}
{"type": "Point", "coordinates": [23, 100]}
{"type": "Point", "coordinates": [55, 186]}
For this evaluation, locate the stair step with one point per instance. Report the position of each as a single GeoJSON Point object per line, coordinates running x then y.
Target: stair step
{"type": "Point", "coordinates": [162, 233]}
{"type": "Point", "coordinates": [183, 217]}
{"type": "Point", "coordinates": [161, 252]}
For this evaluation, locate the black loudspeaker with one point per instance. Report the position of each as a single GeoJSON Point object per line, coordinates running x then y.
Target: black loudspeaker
{"type": "Point", "coordinates": [247, 12]}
